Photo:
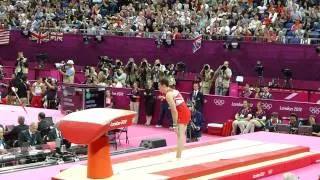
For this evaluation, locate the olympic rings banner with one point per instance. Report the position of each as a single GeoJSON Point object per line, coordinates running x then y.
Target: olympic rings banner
{"type": "Point", "coordinates": [221, 108]}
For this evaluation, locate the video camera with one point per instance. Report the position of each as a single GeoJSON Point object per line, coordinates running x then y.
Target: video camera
{"type": "Point", "coordinates": [105, 62]}
{"type": "Point", "coordinates": [259, 69]}
{"type": "Point", "coordinates": [60, 65]}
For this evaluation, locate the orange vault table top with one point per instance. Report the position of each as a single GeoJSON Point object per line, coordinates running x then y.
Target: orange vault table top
{"type": "Point", "coordinates": [91, 127]}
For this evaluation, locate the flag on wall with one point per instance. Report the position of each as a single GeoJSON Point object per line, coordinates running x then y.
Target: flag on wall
{"type": "Point", "coordinates": [4, 37]}
{"type": "Point", "coordinates": [39, 37]}
{"type": "Point", "coordinates": [196, 45]}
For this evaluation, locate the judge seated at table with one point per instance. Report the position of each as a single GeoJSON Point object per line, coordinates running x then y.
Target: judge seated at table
{"type": "Point", "coordinates": [54, 134]}
{"type": "Point", "coordinates": [12, 135]}
{"type": "Point", "coordinates": [31, 136]}
{"type": "Point", "coordinates": [271, 124]}
{"type": "Point", "coordinates": [308, 122]}
{"type": "Point", "coordinates": [294, 123]}
{"type": "Point", "coordinates": [3, 144]}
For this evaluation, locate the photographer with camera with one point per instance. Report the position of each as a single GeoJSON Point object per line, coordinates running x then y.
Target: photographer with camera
{"type": "Point", "coordinates": [131, 71]}
{"type": "Point", "coordinates": [157, 73]}
{"type": "Point", "coordinates": [223, 74]}
{"type": "Point", "coordinates": [120, 78]}
{"type": "Point", "coordinates": [104, 77]}
{"type": "Point", "coordinates": [68, 73]}
{"type": "Point", "coordinates": [21, 65]}
{"type": "Point", "coordinates": [91, 75]}
{"type": "Point", "coordinates": [2, 74]}
{"type": "Point", "coordinates": [50, 98]}
{"type": "Point", "coordinates": [169, 73]}
{"type": "Point", "coordinates": [206, 76]}
{"type": "Point", "coordinates": [144, 73]}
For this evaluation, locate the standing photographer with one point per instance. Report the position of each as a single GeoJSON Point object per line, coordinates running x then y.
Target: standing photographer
{"type": "Point", "coordinates": [21, 65]}
{"type": "Point", "coordinates": [206, 76]}
{"type": "Point", "coordinates": [157, 73]}
{"type": "Point", "coordinates": [2, 74]}
{"type": "Point", "coordinates": [68, 75]}
{"type": "Point", "coordinates": [51, 94]}
{"type": "Point", "coordinates": [131, 71]}
{"type": "Point", "coordinates": [144, 74]}
{"type": "Point", "coordinates": [23, 88]}
{"type": "Point", "coordinates": [91, 76]}
{"type": "Point", "coordinates": [223, 74]}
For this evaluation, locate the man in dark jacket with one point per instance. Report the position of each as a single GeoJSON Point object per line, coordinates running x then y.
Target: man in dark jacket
{"type": "Point", "coordinates": [31, 136]}
{"type": "Point", "coordinates": [12, 135]}
{"type": "Point", "coordinates": [44, 124]}
{"type": "Point", "coordinates": [196, 125]}
{"type": "Point", "coordinates": [197, 97]}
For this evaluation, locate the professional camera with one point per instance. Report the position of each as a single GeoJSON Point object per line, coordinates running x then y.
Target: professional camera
{"type": "Point", "coordinates": [181, 67]}
{"type": "Point", "coordinates": [144, 64]}
{"type": "Point", "coordinates": [206, 67]}
{"type": "Point", "coordinates": [105, 62]}
{"type": "Point", "coordinates": [60, 65]}
{"type": "Point", "coordinates": [259, 69]}
{"type": "Point", "coordinates": [287, 73]}
{"type": "Point", "coordinates": [223, 68]}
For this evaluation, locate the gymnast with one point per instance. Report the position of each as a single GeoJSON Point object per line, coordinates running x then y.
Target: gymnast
{"type": "Point", "coordinates": [180, 113]}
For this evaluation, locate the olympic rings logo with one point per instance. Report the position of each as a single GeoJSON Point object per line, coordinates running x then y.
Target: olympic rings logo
{"type": "Point", "coordinates": [314, 110]}
{"type": "Point", "coordinates": [267, 106]}
{"type": "Point", "coordinates": [218, 102]}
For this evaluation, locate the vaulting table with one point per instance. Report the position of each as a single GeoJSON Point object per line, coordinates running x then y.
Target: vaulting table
{"type": "Point", "coordinates": [91, 127]}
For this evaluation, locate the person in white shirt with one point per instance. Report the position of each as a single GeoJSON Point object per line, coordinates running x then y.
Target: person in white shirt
{"type": "Point", "coordinates": [37, 91]}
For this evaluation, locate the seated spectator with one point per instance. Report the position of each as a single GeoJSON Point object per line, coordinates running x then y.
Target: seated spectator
{"type": "Point", "coordinates": [3, 144]}
{"type": "Point", "coordinates": [13, 135]}
{"type": "Point", "coordinates": [257, 92]}
{"type": "Point", "coordinates": [242, 118]}
{"type": "Point", "coordinates": [265, 93]}
{"type": "Point", "coordinates": [246, 92]}
{"type": "Point", "coordinates": [53, 134]}
{"type": "Point", "coordinates": [294, 123]}
{"type": "Point", "coordinates": [310, 122]}
{"type": "Point", "coordinates": [259, 119]}
{"type": "Point", "coordinates": [30, 137]}
{"type": "Point", "coordinates": [196, 124]}
{"type": "Point", "coordinates": [272, 122]}
{"type": "Point", "coordinates": [316, 130]}
{"type": "Point", "coordinates": [109, 99]}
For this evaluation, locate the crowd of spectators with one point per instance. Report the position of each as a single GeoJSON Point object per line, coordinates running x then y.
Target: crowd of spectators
{"type": "Point", "coordinates": [270, 20]}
